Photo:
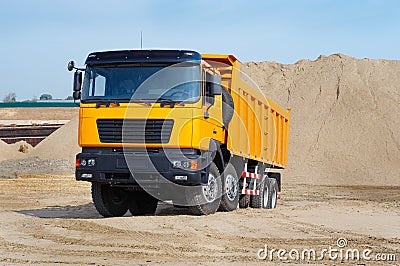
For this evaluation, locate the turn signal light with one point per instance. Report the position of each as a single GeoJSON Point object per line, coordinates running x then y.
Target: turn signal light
{"type": "Point", "coordinates": [194, 165]}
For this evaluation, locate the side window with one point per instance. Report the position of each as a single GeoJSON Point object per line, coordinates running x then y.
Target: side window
{"type": "Point", "coordinates": [99, 86]}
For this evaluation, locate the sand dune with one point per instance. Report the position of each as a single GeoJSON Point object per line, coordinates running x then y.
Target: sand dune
{"type": "Point", "coordinates": [345, 126]}
{"type": "Point", "coordinates": [61, 144]}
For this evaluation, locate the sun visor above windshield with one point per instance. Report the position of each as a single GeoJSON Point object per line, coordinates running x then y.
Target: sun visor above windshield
{"type": "Point", "coordinates": [143, 56]}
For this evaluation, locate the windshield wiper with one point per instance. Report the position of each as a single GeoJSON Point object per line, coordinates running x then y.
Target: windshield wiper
{"type": "Point", "coordinates": [166, 101]}
{"type": "Point", "coordinates": [107, 103]}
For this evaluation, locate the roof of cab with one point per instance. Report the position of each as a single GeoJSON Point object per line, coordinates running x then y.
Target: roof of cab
{"type": "Point", "coordinates": [136, 56]}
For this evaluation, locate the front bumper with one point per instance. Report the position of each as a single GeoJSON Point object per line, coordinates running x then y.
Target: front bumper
{"type": "Point", "coordinates": [138, 167]}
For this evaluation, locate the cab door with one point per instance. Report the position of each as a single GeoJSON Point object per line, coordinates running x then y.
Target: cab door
{"type": "Point", "coordinates": [211, 100]}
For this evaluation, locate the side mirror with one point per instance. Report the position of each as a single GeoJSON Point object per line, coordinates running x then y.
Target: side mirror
{"type": "Point", "coordinates": [216, 89]}
{"type": "Point", "coordinates": [77, 81]}
{"type": "Point", "coordinates": [71, 65]}
{"type": "Point", "coordinates": [76, 95]}
{"type": "Point", "coordinates": [215, 83]}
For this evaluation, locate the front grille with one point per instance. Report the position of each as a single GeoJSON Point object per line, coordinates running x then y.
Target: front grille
{"type": "Point", "coordinates": [134, 130]}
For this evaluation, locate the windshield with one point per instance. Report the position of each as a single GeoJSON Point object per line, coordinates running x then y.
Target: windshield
{"type": "Point", "coordinates": [143, 82]}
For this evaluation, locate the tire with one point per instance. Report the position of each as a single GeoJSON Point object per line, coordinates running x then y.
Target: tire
{"type": "Point", "coordinates": [142, 203]}
{"type": "Point", "coordinates": [230, 189]}
{"type": "Point", "coordinates": [207, 200]}
{"type": "Point", "coordinates": [228, 107]}
{"type": "Point", "coordinates": [262, 199]}
{"type": "Point", "coordinates": [109, 201]}
{"type": "Point", "coordinates": [244, 201]}
{"type": "Point", "coordinates": [273, 193]}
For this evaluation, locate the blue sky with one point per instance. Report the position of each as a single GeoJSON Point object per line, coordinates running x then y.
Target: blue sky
{"type": "Point", "coordinates": [38, 38]}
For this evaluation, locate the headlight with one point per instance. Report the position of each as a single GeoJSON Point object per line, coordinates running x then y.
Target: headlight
{"type": "Point", "coordinates": [186, 164]}
{"type": "Point", "coordinates": [91, 162]}
{"type": "Point", "coordinates": [177, 164]}
{"type": "Point", "coordinates": [85, 162]}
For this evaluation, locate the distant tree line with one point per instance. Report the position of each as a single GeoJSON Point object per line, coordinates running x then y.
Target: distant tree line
{"type": "Point", "coordinates": [12, 97]}
{"type": "Point", "coordinates": [46, 97]}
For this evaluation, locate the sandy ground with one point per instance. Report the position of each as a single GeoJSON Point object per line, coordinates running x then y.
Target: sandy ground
{"type": "Point", "coordinates": [51, 220]}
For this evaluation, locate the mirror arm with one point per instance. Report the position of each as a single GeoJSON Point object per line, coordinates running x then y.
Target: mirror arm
{"type": "Point", "coordinates": [71, 66]}
{"type": "Point", "coordinates": [206, 114]}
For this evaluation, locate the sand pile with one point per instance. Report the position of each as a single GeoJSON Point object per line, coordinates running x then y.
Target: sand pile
{"type": "Point", "coordinates": [345, 127]}
{"type": "Point", "coordinates": [8, 152]}
{"type": "Point", "coordinates": [34, 165]}
{"type": "Point", "coordinates": [62, 144]}
{"type": "Point", "coordinates": [53, 155]}
{"type": "Point", "coordinates": [21, 146]}
{"type": "Point", "coordinates": [54, 149]}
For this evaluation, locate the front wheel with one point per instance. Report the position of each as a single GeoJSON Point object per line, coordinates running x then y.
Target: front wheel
{"type": "Point", "coordinates": [109, 201]}
{"type": "Point", "coordinates": [208, 197]}
{"type": "Point", "coordinates": [142, 203]}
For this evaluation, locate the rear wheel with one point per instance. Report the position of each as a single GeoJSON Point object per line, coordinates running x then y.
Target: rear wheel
{"type": "Point", "coordinates": [142, 203]}
{"type": "Point", "coordinates": [244, 201]}
{"type": "Point", "coordinates": [262, 199]}
{"type": "Point", "coordinates": [238, 163]}
{"type": "Point", "coordinates": [208, 197]}
{"type": "Point", "coordinates": [109, 201]}
{"type": "Point", "coordinates": [230, 196]}
{"type": "Point", "coordinates": [273, 193]}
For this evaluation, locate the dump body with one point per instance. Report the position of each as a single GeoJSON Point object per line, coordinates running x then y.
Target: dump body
{"type": "Point", "coordinates": [259, 129]}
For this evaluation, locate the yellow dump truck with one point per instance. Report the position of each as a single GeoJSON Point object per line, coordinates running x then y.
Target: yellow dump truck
{"type": "Point", "coordinates": [178, 126]}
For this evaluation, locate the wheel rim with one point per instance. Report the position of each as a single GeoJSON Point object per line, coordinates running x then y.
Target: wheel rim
{"type": "Point", "coordinates": [265, 197]}
{"type": "Point", "coordinates": [231, 187]}
{"type": "Point", "coordinates": [210, 191]}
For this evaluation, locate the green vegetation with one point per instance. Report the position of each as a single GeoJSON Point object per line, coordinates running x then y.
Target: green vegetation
{"type": "Point", "coordinates": [11, 97]}
{"type": "Point", "coordinates": [46, 97]}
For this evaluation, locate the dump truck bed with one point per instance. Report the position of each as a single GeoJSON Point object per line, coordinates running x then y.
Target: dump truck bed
{"type": "Point", "coordinates": [259, 129]}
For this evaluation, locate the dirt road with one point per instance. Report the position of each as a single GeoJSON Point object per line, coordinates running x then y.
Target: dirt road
{"type": "Point", "coordinates": [50, 219]}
